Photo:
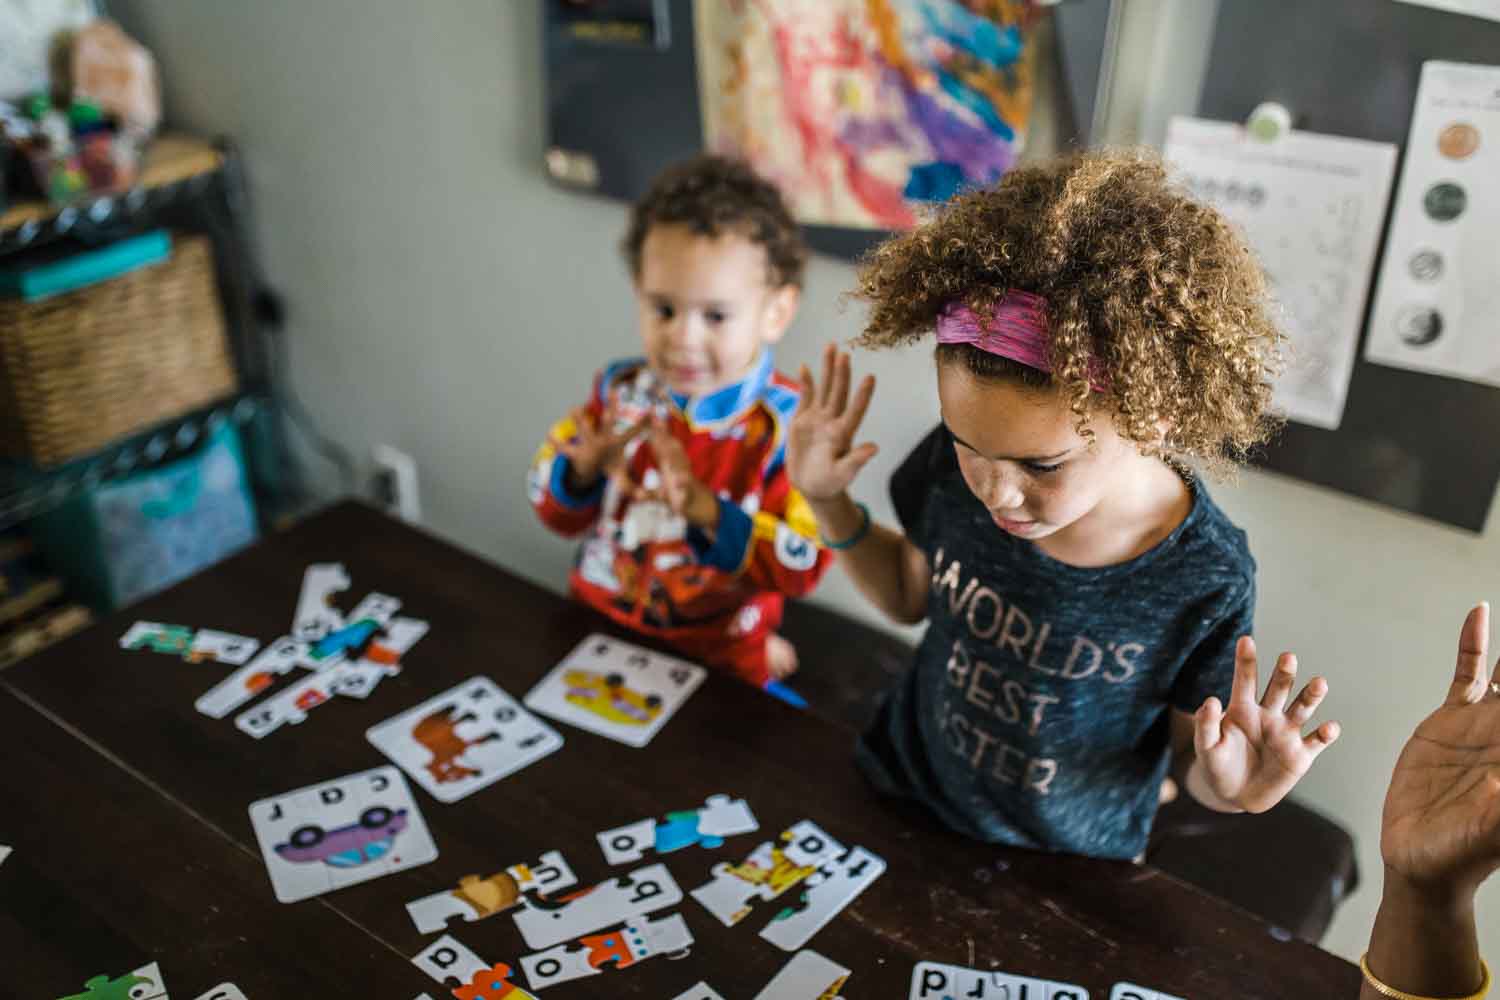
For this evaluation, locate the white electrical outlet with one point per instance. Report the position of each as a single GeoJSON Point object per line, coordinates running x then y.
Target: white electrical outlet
{"type": "Point", "coordinates": [402, 470]}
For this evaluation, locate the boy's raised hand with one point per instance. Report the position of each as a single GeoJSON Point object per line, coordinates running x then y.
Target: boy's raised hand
{"type": "Point", "coordinates": [1441, 826]}
{"type": "Point", "coordinates": [680, 489]}
{"type": "Point", "coordinates": [596, 448]}
{"type": "Point", "coordinates": [822, 459]}
{"type": "Point", "coordinates": [1253, 753]}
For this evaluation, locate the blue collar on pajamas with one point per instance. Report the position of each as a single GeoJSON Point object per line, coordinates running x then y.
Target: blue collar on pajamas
{"type": "Point", "coordinates": [730, 402]}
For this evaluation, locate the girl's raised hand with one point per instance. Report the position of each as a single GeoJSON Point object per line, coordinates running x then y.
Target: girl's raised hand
{"type": "Point", "coordinates": [1254, 752]}
{"type": "Point", "coordinates": [822, 459]}
{"type": "Point", "coordinates": [1441, 826]}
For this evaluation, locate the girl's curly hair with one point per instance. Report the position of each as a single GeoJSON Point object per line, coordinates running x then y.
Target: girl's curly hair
{"type": "Point", "coordinates": [1154, 288]}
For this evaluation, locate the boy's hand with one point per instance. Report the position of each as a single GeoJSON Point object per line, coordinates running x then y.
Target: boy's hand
{"type": "Point", "coordinates": [596, 448]}
{"type": "Point", "coordinates": [1441, 828]}
{"type": "Point", "coordinates": [1253, 754]}
{"type": "Point", "coordinates": [822, 459]}
{"type": "Point", "coordinates": [680, 489]}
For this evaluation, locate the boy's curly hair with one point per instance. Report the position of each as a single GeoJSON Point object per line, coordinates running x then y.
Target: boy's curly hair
{"type": "Point", "coordinates": [714, 195]}
{"type": "Point", "coordinates": [1156, 289]}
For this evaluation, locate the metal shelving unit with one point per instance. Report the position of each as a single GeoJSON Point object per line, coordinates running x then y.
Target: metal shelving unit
{"type": "Point", "coordinates": [186, 184]}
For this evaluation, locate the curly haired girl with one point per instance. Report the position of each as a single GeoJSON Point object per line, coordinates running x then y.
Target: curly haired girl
{"type": "Point", "coordinates": [1088, 604]}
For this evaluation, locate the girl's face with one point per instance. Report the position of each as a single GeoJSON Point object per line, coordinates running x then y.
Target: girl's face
{"type": "Point", "coordinates": [1022, 456]}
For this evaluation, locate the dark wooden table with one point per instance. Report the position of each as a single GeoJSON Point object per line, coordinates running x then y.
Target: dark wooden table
{"type": "Point", "coordinates": [943, 898]}
{"type": "Point", "coordinates": [108, 874]}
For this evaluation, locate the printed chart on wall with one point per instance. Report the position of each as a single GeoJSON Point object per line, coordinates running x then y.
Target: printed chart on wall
{"type": "Point", "coordinates": [1474, 8]}
{"type": "Point", "coordinates": [1439, 290]}
{"type": "Point", "coordinates": [1311, 206]}
{"type": "Point", "coordinates": [861, 110]}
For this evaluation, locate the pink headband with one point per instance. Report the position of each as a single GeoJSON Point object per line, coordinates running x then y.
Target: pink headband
{"type": "Point", "coordinates": [1017, 330]}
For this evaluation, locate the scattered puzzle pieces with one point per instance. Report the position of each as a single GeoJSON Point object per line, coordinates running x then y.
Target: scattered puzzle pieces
{"type": "Point", "coordinates": [476, 898]}
{"type": "Point", "coordinates": [770, 870]}
{"type": "Point", "coordinates": [144, 983]}
{"type": "Point", "coordinates": [641, 938]}
{"type": "Point", "coordinates": [492, 984]}
{"type": "Point", "coordinates": [707, 827]}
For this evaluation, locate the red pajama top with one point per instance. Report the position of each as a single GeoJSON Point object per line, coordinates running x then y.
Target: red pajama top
{"type": "Point", "coordinates": [714, 595]}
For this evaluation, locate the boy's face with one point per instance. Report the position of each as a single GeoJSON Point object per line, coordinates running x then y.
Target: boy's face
{"type": "Point", "coordinates": [1023, 457]}
{"type": "Point", "coordinates": [706, 307]}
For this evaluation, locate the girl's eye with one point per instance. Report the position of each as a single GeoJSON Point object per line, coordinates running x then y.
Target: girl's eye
{"type": "Point", "coordinates": [715, 317]}
{"type": "Point", "coordinates": [665, 311]}
{"type": "Point", "coordinates": [1041, 469]}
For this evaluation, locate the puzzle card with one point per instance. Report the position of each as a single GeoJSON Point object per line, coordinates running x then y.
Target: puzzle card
{"type": "Point", "coordinates": [935, 981]}
{"type": "Point", "coordinates": [465, 739]}
{"type": "Point", "coordinates": [616, 689]}
{"type": "Point", "coordinates": [340, 832]}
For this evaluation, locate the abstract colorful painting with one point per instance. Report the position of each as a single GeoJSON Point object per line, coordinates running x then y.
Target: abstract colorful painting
{"type": "Point", "coordinates": [861, 110]}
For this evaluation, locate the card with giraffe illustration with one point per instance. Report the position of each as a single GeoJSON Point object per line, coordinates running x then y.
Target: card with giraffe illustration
{"type": "Point", "coordinates": [465, 739]}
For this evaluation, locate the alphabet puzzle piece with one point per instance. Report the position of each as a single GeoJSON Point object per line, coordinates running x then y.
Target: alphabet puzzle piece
{"type": "Point", "coordinates": [770, 870]}
{"type": "Point", "coordinates": [476, 898]}
{"type": "Point", "coordinates": [641, 938]}
{"type": "Point", "coordinates": [707, 827]}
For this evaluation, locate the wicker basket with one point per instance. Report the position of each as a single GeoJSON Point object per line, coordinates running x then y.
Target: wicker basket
{"type": "Point", "coordinates": [82, 369]}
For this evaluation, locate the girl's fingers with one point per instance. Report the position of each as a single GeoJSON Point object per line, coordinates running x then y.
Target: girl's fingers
{"type": "Point", "coordinates": [848, 467]}
{"type": "Point", "coordinates": [825, 384]}
{"type": "Point", "coordinates": [1307, 702]}
{"type": "Point", "coordinates": [1470, 680]}
{"type": "Point", "coordinates": [1208, 726]}
{"type": "Point", "coordinates": [1246, 674]}
{"type": "Point", "coordinates": [1321, 739]}
{"type": "Point", "coordinates": [841, 384]}
{"type": "Point", "coordinates": [1280, 686]}
{"type": "Point", "coordinates": [855, 415]}
{"type": "Point", "coordinates": [809, 389]}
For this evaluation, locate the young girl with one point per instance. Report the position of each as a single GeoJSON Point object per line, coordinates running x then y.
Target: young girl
{"type": "Point", "coordinates": [1085, 598]}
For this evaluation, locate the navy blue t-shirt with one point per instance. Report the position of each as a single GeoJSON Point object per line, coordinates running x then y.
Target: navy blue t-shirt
{"type": "Point", "coordinates": [1036, 713]}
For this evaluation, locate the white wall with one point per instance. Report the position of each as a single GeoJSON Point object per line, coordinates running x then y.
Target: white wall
{"type": "Point", "coordinates": [447, 300]}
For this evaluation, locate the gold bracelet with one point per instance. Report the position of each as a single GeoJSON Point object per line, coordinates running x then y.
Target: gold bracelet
{"type": "Point", "coordinates": [1391, 991]}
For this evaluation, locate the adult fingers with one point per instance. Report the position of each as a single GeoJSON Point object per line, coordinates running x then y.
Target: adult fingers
{"type": "Point", "coordinates": [1469, 676]}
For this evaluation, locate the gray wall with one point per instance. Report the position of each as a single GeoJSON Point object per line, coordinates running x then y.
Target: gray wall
{"type": "Point", "coordinates": [446, 300]}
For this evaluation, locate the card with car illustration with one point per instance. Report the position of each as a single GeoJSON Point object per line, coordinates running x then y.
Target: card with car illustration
{"type": "Point", "coordinates": [340, 832]}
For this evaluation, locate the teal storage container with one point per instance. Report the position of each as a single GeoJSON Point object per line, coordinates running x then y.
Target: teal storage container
{"type": "Point", "coordinates": [131, 537]}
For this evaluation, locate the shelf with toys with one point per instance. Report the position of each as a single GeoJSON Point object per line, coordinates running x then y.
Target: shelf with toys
{"type": "Point", "coordinates": [172, 163]}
